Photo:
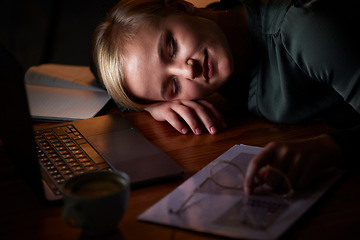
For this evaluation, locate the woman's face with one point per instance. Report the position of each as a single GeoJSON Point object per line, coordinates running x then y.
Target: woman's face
{"type": "Point", "coordinates": [185, 57]}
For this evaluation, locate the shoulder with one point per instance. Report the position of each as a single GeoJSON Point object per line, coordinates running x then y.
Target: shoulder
{"type": "Point", "coordinates": [320, 36]}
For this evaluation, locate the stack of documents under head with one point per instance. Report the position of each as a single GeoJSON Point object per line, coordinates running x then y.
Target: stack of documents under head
{"type": "Point", "coordinates": [229, 212]}
{"type": "Point", "coordinates": [63, 92]}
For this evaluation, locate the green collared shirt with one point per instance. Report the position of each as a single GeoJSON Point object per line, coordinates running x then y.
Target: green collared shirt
{"type": "Point", "coordinates": [307, 64]}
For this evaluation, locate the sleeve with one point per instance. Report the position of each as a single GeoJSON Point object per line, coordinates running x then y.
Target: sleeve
{"type": "Point", "coordinates": [330, 45]}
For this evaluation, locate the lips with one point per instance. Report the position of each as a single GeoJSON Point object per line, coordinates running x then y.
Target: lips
{"type": "Point", "coordinates": [207, 67]}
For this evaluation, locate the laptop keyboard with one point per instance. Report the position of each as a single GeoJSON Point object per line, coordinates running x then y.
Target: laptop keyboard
{"type": "Point", "coordinates": [63, 153]}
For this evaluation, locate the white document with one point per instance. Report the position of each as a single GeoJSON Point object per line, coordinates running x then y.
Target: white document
{"type": "Point", "coordinates": [64, 104]}
{"type": "Point", "coordinates": [231, 213]}
{"type": "Point", "coordinates": [63, 92]}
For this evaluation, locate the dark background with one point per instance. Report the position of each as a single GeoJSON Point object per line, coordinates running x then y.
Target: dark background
{"type": "Point", "coordinates": [50, 31]}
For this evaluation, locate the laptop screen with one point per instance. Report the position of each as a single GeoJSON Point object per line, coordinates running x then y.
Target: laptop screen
{"type": "Point", "coordinates": [16, 130]}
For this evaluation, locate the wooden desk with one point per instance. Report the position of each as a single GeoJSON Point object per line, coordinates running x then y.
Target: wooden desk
{"type": "Point", "coordinates": [336, 216]}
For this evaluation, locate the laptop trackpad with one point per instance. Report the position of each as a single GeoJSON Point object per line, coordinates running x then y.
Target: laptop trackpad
{"type": "Point", "coordinates": [123, 145]}
{"type": "Point", "coordinates": [129, 151]}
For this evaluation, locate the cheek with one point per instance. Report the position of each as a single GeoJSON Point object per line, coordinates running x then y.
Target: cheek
{"type": "Point", "coordinates": [191, 90]}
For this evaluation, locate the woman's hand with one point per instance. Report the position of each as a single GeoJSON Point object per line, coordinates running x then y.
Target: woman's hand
{"type": "Point", "coordinates": [302, 161]}
{"type": "Point", "coordinates": [193, 113]}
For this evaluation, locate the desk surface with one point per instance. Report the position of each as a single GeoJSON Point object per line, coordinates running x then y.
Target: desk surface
{"type": "Point", "coordinates": [335, 216]}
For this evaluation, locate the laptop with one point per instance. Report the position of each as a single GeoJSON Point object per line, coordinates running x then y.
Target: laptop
{"type": "Point", "coordinates": [106, 142]}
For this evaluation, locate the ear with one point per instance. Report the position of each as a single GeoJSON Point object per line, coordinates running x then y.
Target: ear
{"type": "Point", "coordinates": [181, 5]}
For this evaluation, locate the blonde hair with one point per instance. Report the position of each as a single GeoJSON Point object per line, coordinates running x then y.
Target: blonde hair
{"type": "Point", "coordinates": [111, 38]}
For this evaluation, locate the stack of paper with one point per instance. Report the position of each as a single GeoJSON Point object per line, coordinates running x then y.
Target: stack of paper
{"type": "Point", "coordinates": [63, 92]}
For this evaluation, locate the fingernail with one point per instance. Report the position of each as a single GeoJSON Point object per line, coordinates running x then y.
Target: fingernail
{"type": "Point", "coordinates": [197, 131]}
{"type": "Point", "coordinates": [213, 130]}
{"type": "Point", "coordinates": [184, 131]}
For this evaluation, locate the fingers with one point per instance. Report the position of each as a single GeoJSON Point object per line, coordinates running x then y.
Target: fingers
{"type": "Point", "coordinates": [301, 162]}
{"type": "Point", "coordinates": [174, 121]}
{"type": "Point", "coordinates": [189, 113]}
{"type": "Point", "coordinates": [199, 113]}
{"type": "Point", "coordinates": [164, 112]}
{"type": "Point", "coordinates": [277, 155]}
{"type": "Point", "coordinates": [260, 160]}
{"type": "Point", "coordinates": [194, 114]}
{"type": "Point", "coordinates": [294, 170]}
{"type": "Point", "coordinates": [216, 117]}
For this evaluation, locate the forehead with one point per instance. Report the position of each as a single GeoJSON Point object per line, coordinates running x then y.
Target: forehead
{"type": "Point", "coordinates": [142, 62]}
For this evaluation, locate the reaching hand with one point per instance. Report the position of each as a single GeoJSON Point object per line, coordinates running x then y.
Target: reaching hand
{"type": "Point", "coordinates": [302, 161]}
{"type": "Point", "coordinates": [193, 113]}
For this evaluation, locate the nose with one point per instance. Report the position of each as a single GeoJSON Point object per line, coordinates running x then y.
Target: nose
{"type": "Point", "coordinates": [189, 69]}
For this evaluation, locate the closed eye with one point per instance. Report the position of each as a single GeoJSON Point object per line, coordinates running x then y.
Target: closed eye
{"type": "Point", "coordinates": [175, 87]}
{"type": "Point", "coordinates": [170, 89]}
{"type": "Point", "coordinates": [173, 48]}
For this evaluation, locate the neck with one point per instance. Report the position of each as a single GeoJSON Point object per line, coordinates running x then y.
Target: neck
{"type": "Point", "coordinates": [234, 24]}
